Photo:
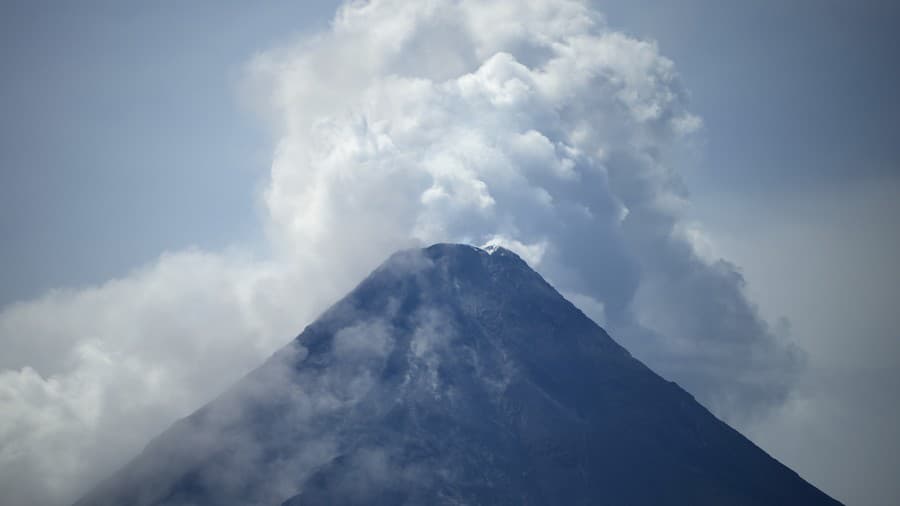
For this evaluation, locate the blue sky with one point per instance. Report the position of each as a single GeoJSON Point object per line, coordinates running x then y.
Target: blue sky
{"type": "Point", "coordinates": [129, 131]}
{"type": "Point", "coordinates": [124, 114]}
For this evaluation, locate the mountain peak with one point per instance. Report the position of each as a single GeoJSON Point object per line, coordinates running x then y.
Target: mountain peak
{"type": "Point", "coordinates": [455, 250]}
{"type": "Point", "coordinates": [459, 250]}
{"type": "Point", "coordinates": [453, 375]}
{"type": "Point", "coordinates": [449, 248]}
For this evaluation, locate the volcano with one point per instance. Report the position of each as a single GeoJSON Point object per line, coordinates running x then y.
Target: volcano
{"type": "Point", "coordinates": [453, 375]}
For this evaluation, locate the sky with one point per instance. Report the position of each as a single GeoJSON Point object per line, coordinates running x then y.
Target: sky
{"type": "Point", "coordinates": [200, 180]}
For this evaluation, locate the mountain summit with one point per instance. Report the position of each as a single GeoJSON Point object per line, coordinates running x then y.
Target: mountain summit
{"type": "Point", "coordinates": [453, 375]}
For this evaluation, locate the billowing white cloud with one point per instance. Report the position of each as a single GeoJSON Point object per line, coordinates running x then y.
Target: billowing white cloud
{"type": "Point", "coordinates": [525, 124]}
{"type": "Point", "coordinates": [90, 375]}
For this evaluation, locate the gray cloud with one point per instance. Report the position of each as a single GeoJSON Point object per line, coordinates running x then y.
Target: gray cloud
{"type": "Point", "coordinates": [541, 130]}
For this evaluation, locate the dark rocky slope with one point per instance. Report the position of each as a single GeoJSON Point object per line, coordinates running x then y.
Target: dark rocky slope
{"type": "Point", "coordinates": [453, 375]}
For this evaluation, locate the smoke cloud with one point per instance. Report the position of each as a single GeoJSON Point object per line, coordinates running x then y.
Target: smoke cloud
{"type": "Point", "coordinates": [527, 124]}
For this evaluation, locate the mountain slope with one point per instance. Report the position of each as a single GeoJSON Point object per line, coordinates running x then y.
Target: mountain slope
{"type": "Point", "coordinates": [453, 375]}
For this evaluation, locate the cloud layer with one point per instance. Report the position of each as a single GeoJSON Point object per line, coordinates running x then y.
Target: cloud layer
{"type": "Point", "coordinates": [528, 124]}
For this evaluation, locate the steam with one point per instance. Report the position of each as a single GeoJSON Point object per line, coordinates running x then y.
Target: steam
{"type": "Point", "coordinates": [525, 124]}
